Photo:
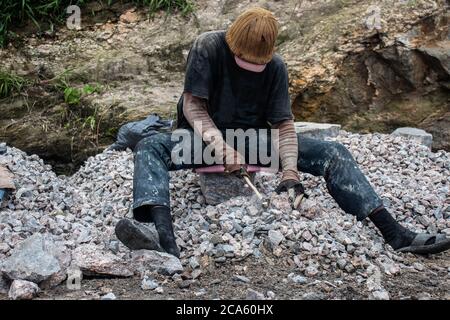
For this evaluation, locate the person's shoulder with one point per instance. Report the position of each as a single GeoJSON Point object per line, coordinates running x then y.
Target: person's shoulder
{"type": "Point", "coordinates": [278, 63]}
{"type": "Point", "coordinates": [210, 39]}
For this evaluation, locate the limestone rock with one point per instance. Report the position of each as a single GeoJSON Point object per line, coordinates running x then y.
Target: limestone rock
{"type": "Point", "coordinates": [23, 290]}
{"type": "Point", "coordinates": [317, 130]}
{"type": "Point", "coordinates": [92, 260]}
{"type": "Point", "coordinates": [419, 135]}
{"type": "Point", "coordinates": [160, 262]}
{"type": "Point", "coordinates": [31, 261]}
{"type": "Point", "coordinates": [64, 256]}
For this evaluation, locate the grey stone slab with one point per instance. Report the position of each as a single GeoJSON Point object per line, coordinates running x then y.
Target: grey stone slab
{"type": "Point", "coordinates": [317, 130]}
{"type": "Point", "coordinates": [220, 187]}
{"type": "Point", "coordinates": [419, 135]}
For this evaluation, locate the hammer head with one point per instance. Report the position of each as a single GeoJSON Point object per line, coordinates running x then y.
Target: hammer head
{"type": "Point", "coordinates": [295, 199]}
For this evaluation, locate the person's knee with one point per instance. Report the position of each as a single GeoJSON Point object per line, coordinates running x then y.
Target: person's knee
{"type": "Point", "coordinates": [150, 144]}
{"type": "Point", "coordinates": [339, 151]}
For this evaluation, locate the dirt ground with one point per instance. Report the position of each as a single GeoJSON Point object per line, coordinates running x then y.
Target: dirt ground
{"type": "Point", "coordinates": [271, 275]}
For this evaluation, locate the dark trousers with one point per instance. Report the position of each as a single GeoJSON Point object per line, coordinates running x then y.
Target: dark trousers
{"type": "Point", "coordinates": [331, 160]}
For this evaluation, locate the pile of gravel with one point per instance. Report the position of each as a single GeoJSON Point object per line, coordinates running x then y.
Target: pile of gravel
{"type": "Point", "coordinates": [77, 215]}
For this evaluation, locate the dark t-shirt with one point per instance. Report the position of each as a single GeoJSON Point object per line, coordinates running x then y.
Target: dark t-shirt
{"type": "Point", "coordinates": [236, 98]}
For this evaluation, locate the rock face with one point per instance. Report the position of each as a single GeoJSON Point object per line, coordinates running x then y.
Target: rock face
{"type": "Point", "coordinates": [317, 130]}
{"type": "Point", "coordinates": [23, 290]}
{"type": "Point", "coordinates": [419, 135]}
{"type": "Point", "coordinates": [92, 260]}
{"type": "Point", "coordinates": [31, 261]}
{"type": "Point", "coordinates": [161, 262]}
{"type": "Point", "coordinates": [219, 187]}
{"type": "Point", "coordinates": [383, 80]}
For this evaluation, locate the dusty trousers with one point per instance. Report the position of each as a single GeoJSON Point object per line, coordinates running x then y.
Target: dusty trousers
{"type": "Point", "coordinates": [344, 180]}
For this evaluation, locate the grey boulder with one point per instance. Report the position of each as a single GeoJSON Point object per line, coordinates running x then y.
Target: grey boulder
{"type": "Point", "coordinates": [317, 130]}
{"type": "Point", "coordinates": [31, 261]}
{"type": "Point", "coordinates": [23, 290]}
{"type": "Point", "coordinates": [93, 260]}
{"type": "Point", "coordinates": [160, 262]}
{"type": "Point", "coordinates": [419, 135]}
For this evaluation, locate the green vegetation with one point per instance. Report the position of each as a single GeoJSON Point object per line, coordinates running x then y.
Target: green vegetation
{"type": "Point", "coordinates": [185, 6]}
{"type": "Point", "coordinates": [72, 96]}
{"type": "Point", "coordinates": [10, 83]}
{"type": "Point", "coordinates": [16, 13]}
{"type": "Point", "coordinates": [13, 12]}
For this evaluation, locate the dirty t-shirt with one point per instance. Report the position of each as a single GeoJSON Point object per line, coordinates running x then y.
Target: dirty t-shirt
{"type": "Point", "coordinates": [236, 98]}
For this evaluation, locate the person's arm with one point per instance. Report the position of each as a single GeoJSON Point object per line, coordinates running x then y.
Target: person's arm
{"type": "Point", "coordinates": [288, 150]}
{"type": "Point", "coordinates": [194, 109]}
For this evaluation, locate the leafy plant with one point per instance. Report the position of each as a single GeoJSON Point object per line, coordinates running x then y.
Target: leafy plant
{"type": "Point", "coordinates": [185, 6]}
{"type": "Point", "coordinates": [88, 89]}
{"type": "Point", "coordinates": [10, 83]}
{"type": "Point", "coordinates": [91, 122]}
{"type": "Point", "coordinates": [72, 96]}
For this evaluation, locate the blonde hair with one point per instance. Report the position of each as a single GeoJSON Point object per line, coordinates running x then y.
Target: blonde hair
{"type": "Point", "coordinates": [252, 35]}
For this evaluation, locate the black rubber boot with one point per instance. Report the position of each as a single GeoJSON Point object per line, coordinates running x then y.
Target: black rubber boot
{"type": "Point", "coordinates": [162, 218]}
{"type": "Point", "coordinates": [137, 236]}
{"type": "Point", "coordinates": [393, 233]}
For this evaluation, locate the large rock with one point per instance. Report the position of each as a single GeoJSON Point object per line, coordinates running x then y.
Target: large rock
{"type": "Point", "coordinates": [31, 261]}
{"type": "Point", "coordinates": [160, 262]}
{"type": "Point", "coordinates": [23, 290]}
{"type": "Point", "coordinates": [317, 130]}
{"type": "Point", "coordinates": [220, 187]}
{"type": "Point", "coordinates": [93, 260]}
{"type": "Point", "coordinates": [58, 250]}
{"type": "Point", "coordinates": [419, 135]}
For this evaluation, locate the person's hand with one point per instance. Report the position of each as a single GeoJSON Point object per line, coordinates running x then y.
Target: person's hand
{"type": "Point", "coordinates": [233, 168]}
{"type": "Point", "coordinates": [295, 190]}
{"type": "Point", "coordinates": [237, 163]}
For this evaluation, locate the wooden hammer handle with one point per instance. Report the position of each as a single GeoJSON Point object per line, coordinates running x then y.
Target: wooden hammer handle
{"type": "Point", "coordinates": [251, 185]}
